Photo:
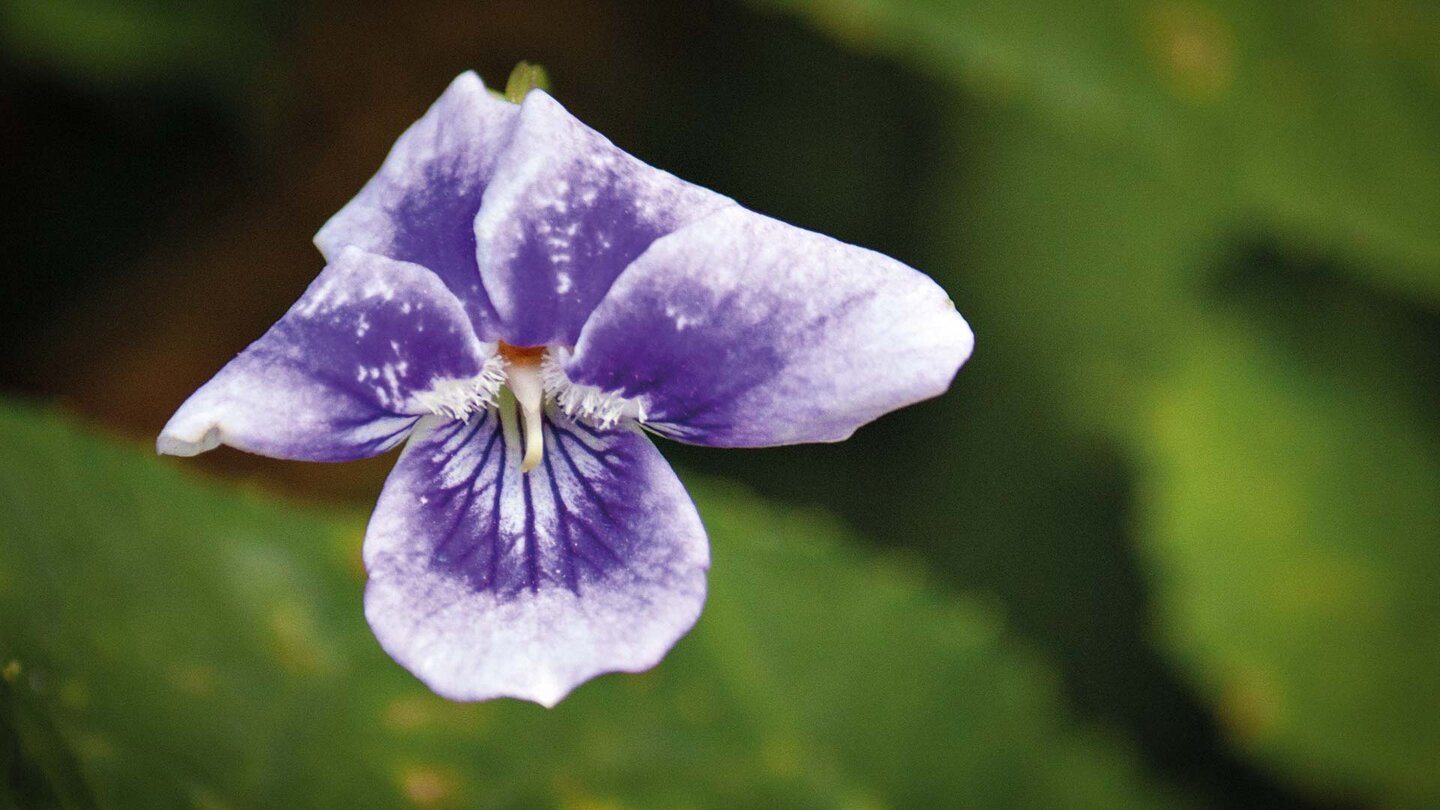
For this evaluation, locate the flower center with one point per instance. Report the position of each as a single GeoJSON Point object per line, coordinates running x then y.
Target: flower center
{"type": "Point", "coordinates": [522, 377]}
{"type": "Point", "coordinates": [517, 380]}
{"type": "Point", "coordinates": [522, 354]}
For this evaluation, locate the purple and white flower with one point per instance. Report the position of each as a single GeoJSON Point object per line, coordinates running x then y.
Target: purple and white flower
{"type": "Point", "coordinates": [522, 301]}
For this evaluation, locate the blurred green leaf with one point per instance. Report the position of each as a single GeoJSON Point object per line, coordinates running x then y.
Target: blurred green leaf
{"type": "Point", "coordinates": [1290, 503]}
{"type": "Point", "coordinates": [196, 647]}
{"type": "Point", "coordinates": [1316, 121]}
{"type": "Point", "coordinates": [1076, 264]}
{"type": "Point", "coordinates": [1287, 454]}
{"type": "Point", "coordinates": [36, 768]}
{"type": "Point", "coordinates": [220, 45]}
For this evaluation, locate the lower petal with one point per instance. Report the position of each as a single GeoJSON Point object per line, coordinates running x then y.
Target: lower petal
{"type": "Point", "coordinates": [486, 582]}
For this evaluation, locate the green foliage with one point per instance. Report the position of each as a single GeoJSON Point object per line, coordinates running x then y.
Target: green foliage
{"type": "Point", "coordinates": [1315, 121]}
{"type": "Point", "coordinates": [1291, 500]}
{"type": "Point", "coordinates": [219, 45]}
{"type": "Point", "coordinates": [1079, 263]}
{"type": "Point", "coordinates": [167, 643]}
{"type": "Point", "coordinates": [1120, 166]}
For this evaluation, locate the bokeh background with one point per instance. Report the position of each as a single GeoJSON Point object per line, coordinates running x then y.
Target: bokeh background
{"type": "Point", "coordinates": [1171, 540]}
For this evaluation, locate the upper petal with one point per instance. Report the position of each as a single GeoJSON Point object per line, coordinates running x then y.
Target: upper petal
{"type": "Point", "coordinates": [485, 582]}
{"type": "Point", "coordinates": [421, 205]}
{"type": "Point", "coordinates": [565, 212]}
{"type": "Point", "coordinates": [337, 377]}
{"type": "Point", "coordinates": [740, 330]}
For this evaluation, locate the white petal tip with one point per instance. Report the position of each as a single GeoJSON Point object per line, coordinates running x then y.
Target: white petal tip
{"type": "Point", "coordinates": [169, 444]}
{"type": "Point", "coordinates": [547, 694]}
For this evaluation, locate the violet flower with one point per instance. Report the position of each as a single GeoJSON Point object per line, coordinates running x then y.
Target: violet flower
{"type": "Point", "coordinates": [522, 300]}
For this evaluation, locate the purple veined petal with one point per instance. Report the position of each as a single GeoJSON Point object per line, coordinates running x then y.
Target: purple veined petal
{"type": "Point", "coordinates": [486, 582]}
{"type": "Point", "coordinates": [742, 331]}
{"type": "Point", "coordinates": [344, 374]}
{"type": "Point", "coordinates": [420, 207]}
{"type": "Point", "coordinates": [565, 212]}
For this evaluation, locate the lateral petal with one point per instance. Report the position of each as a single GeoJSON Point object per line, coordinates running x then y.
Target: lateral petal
{"type": "Point", "coordinates": [741, 331]}
{"type": "Point", "coordinates": [420, 207]}
{"type": "Point", "coordinates": [565, 212]}
{"type": "Point", "coordinates": [486, 582]}
{"type": "Point", "coordinates": [345, 372]}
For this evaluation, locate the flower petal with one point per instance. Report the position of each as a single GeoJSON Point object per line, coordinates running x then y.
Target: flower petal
{"type": "Point", "coordinates": [421, 205]}
{"type": "Point", "coordinates": [486, 582]}
{"type": "Point", "coordinates": [565, 212]}
{"type": "Point", "coordinates": [742, 331]}
{"type": "Point", "coordinates": [337, 377]}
